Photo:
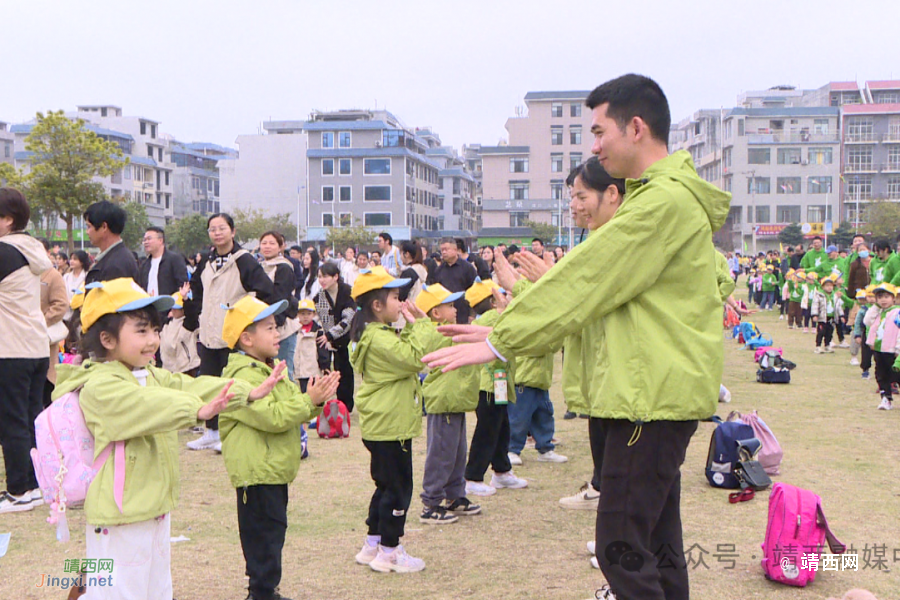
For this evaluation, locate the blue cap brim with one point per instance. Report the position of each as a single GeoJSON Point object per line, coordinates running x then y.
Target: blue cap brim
{"type": "Point", "coordinates": [160, 303]}
{"type": "Point", "coordinates": [453, 297]}
{"type": "Point", "coordinates": [396, 283]}
{"type": "Point", "coordinates": [273, 309]}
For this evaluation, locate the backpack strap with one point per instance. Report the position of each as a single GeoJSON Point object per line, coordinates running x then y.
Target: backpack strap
{"type": "Point", "coordinates": [834, 544]}
{"type": "Point", "coordinates": [118, 467]}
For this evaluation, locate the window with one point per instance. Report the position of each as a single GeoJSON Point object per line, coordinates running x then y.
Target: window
{"type": "Point", "coordinates": [894, 158]}
{"type": "Point", "coordinates": [893, 134]}
{"type": "Point", "coordinates": [726, 184]}
{"type": "Point", "coordinates": [167, 178]}
{"type": "Point", "coordinates": [787, 185]}
{"type": "Point", "coordinates": [377, 166]}
{"type": "Point", "coordinates": [735, 214]}
{"type": "Point", "coordinates": [887, 97]}
{"type": "Point", "coordinates": [757, 185]}
{"type": "Point", "coordinates": [860, 129]}
{"type": "Point", "coordinates": [556, 190]}
{"type": "Point", "coordinates": [377, 193]}
{"type": "Point", "coordinates": [740, 127]}
{"type": "Point", "coordinates": [859, 158]}
{"type": "Point", "coordinates": [817, 213]}
{"type": "Point", "coordinates": [787, 214]}
{"type": "Point", "coordinates": [209, 185]}
{"type": "Point", "coordinates": [139, 174]}
{"type": "Point", "coordinates": [893, 188]}
{"type": "Point", "coordinates": [126, 173]}
{"type": "Point", "coordinates": [776, 124]}
{"type": "Point", "coordinates": [759, 156]}
{"type": "Point", "coordinates": [344, 193]}
{"type": "Point", "coordinates": [153, 131]}
{"type": "Point", "coordinates": [575, 136]}
{"type": "Point", "coordinates": [859, 188]}
{"type": "Point", "coordinates": [789, 156]}
{"type": "Point", "coordinates": [327, 166]}
{"type": "Point", "coordinates": [574, 160]}
{"type": "Point", "coordinates": [556, 109]}
{"type": "Point", "coordinates": [518, 191]}
{"type": "Point", "coordinates": [457, 206]}
{"type": "Point", "coordinates": [729, 129]}
{"type": "Point", "coordinates": [556, 163]}
{"type": "Point", "coordinates": [344, 139]}
{"type": "Point", "coordinates": [518, 165]}
{"type": "Point", "coordinates": [328, 139]}
{"type": "Point", "coordinates": [819, 184]}
{"type": "Point", "coordinates": [762, 214]}
{"type": "Point", "coordinates": [391, 138]}
{"type": "Point", "coordinates": [344, 166]}
{"type": "Point", "coordinates": [575, 110]}
{"type": "Point", "coordinates": [517, 218]}
{"type": "Point", "coordinates": [820, 126]}
{"type": "Point", "coordinates": [327, 219]}
{"type": "Point", "coordinates": [327, 193]}
{"type": "Point", "coordinates": [159, 154]}
{"type": "Point", "coordinates": [345, 220]}
{"type": "Point", "coordinates": [556, 136]}
{"type": "Point", "coordinates": [377, 219]}
{"type": "Point", "coordinates": [820, 156]}
{"type": "Point", "coordinates": [143, 128]}
{"type": "Point", "coordinates": [150, 151]}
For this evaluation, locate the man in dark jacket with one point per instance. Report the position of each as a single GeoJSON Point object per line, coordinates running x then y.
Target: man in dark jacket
{"type": "Point", "coordinates": [164, 272]}
{"type": "Point", "coordinates": [481, 267]}
{"type": "Point", "coordinates": [456, 275]}
{"type": "Point", "coordinates": [105, 223]}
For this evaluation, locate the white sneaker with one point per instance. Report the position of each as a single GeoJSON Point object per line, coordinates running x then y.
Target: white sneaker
{"type": "Point", "coordinates": [479, 488]}
{"type": "Point", "coordinates": [217, 448]}
{"type": "Point", "coordinates": [828, 350]}
{"type": "Point", "coordinates": [551, 456]}
{"type": "Point", "coordinates": [885, 404]}
{"type": "Point", "coordinates": [37, 497]}
{"type": "Point", "coordinates": [10, 503]}
{"type": "Point", "coordinates": [818, 350]}
{"type": "Point", "coordinates": [854, 362]}
{"type": "Point", "coordinates": [724, 394]}
{"type": "Point", "coordinates": [397, 561]}
{"type": "Point", "coordinates": [843, 345]}
{"type": "Point", "coordinates": [514, 459]}
{"type": "Point", "coordinates": [507, 480]}
{"type": "Point", "coordinates": [587, 498]}
{"type": "Point", "coordinates": [592, 547]}
{"type": "Point", "coordinates": [781, 317]}
{"type": "Point", "coordinates": [595, 563]}
{"type": "Point", "coordinates": [367, 554]}
{"type": "Point", "coordinates": [207, 441]}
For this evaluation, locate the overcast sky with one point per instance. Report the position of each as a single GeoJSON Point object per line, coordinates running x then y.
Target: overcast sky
{"type": "Point", "coordinates": [212, 70]}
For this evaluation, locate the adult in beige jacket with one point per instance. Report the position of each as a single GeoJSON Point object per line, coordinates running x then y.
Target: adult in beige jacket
{"type": "Point", "coordinates": [23, 348]}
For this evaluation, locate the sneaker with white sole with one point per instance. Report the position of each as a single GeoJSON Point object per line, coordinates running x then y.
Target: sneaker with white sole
{"type": "Point", "coordinates": [551, 456]}
{"type": "Point", "coordinates": [479, 488]}
{"type": "Point", "coordinates": [587, 498]}
{"type": "Point", "coordinates": [436, 515]}
{"type": "Point", "coordinates": [595, 563]}
{"type": "Point", "coordinates": [724, 394]}
{"type": "Point", "coordinates": [463, 507]}
{"type": "Point", "coordinates": [217, 448]}
{"type": "Point", "coordinates": [10, 503]}
{"type": "Point", "coordinates": [885, 404]}
{"type": "Point", "coordinates": [508, 480]}
{"type": "Point", "coordinates": [207, 441]}
{"type": "Point", "coordinates": [828, 350]}
{"type": "Point", "coordinates": [592, 547]}
{"type": "Point", "coordinates": [843, 345]}
{"type": "Point", "coordinates": [397, 561]}
{"type": "Point", "coordinates": [854, 362]}
{"type": "Point", "coordinates": [818, 350]}
{"type": "Point", "coordinates": [367, 554]}
{"type": "Point", "coordinates": [37, 497]}
{"type": "Point", "coordinates": [514, 459]}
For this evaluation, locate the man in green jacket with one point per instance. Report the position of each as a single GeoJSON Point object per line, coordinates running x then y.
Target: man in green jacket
{"type": "Point", "coordinates": [659, 359]}
{"type": "Point", "coordinates": [814, 258]}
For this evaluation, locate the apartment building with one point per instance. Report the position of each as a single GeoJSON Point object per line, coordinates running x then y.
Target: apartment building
{"type": "Point", "coordinates": [7, 144]}
{"type": "Point", "coordinates": [457, 193]}
{"type": "Point", "coordinates": [524, 180]}
{"type": "Point", "coordinates": [195, 184]}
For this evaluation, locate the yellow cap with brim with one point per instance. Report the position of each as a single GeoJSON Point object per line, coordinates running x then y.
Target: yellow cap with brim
{"type": "Point", "coordinates": [812, 274]}
{"type": "Point", "coordinates": [480, 290]}
{"type": "Point", "coordinates": [77, 299]}
{"type": "Point", "coordinates": [179, 301]}
{"type": "Point", "coordinates": [306, 304]}
{"type": "Point", "coordinates": [885, 287]}
{"type": "Point", "coordinates": [790, 273]}
{"type": "Point", "coordinates": [245, 312]}
{"type": "Point", "coordinates": [435, 295]}
{"type": "Point", "coordinates": [375, 278]}
{"type": "Point", "coordinates": [861, 294]}
{"type": "Point", "coordinates": [770, 267]}
{"type": "Point", "coordinates": [870, 289]}
{"type": "Point", "coordinates": [118, 296]}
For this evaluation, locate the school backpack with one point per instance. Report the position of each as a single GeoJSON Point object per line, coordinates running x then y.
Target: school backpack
{"type": "Point", "coordinates": [64, 461]}
{"type": "Point", "coordinates": [760, 352]}
{"type": "Point", "coordinates": [731, 318]}
{"type": "Point", "coordinates": [747, 331]}
{"type": "Point", "coordinates": [773, 375]}
{"type": "Point", "coordinates": [795, 536]}
{"type": "Point", "coordinates": [723, 453]}
{"type": "Point", "coordinates": [334, 422]}
{"type": "Point", "coordinates": [770, 454]}
{"type": "Point", "coordinates": [759, 341]}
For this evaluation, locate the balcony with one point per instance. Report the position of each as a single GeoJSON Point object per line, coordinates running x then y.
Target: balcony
{"type": "Point", "coordinates": [892, 137]}
{"type": "Point", "coordinates": [779, 137]}
{"type": "Point", "coordinates": [861, 138]}
{"type": "Point", "coordinates": [891, 167]}
{"type": "Point", "coordinates": [861, 168]}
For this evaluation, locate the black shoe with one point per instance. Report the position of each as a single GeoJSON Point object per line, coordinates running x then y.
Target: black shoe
{"type": "Point", "coordinates": [436, 515]}
{"type": "Point", "coordinates": [464, 507]}
{"type": "Point", "coordinates": [569, 415]}
{"type": "Point", "coordinates": [584, 416]}
{"type": "Point", "coordinates": [275, 596]}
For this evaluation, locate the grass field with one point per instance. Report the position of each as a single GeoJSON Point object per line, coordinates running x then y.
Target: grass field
{"type": "Point", "coordinates": [524, 545]}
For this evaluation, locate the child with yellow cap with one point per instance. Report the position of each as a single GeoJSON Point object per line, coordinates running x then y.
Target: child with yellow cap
{"type": "Point", "coordinates": [809, 290]}
{"type": "Point", "coordinates": [311, 358]}
{"type": "Point", "coordinates": [794, 294]}
{"type": "Point", "coordinates": [125, 398]}
{"type": "Point", "coordinates": [448, 397]}
{"type": "Point", "coordinates": [769, 285]}
{"type": "Point", "coordinates": [177, 345]}
{"type": "Point", "coordinates": [865, 299]}
{"type": "Point", "coordinates": [826, 311]}
{"type": "Point", "coordinates": [261, 441]}
{"type": "Point", "coordinates": [884, 333]}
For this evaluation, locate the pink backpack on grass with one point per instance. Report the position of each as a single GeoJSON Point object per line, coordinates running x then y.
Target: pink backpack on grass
{"type": "Point", "coordinates": [334, 422]}
{"type": "Point", "coordinates": [760, 352]}
{"type": "Point", "coordinates": [795, 536]}
{"type": "Point", "coordinates": [64, 461]}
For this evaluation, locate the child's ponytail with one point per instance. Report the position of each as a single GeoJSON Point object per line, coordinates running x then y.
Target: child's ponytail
{"type": "Point", "coordinates": [364, 312]}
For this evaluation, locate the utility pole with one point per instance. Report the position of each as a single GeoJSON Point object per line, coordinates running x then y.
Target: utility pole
{"type": "Point", "coordinates": [753, 205]}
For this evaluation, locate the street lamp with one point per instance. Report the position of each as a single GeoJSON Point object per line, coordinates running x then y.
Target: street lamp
{"type": "Point", "coordinates": [752, 185]}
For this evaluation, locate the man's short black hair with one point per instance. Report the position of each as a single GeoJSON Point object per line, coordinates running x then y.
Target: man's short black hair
{"type": "Point", "coordinates": [296, 248]}
{"type": "Point", "coordinates": [386, 237]}
{"type": "Point", "coordinates": [538, 240]}
{"type": "Point", "coordinates": [159, 230]}
{"type": "Point", "coordinates": [632, 96]}
{"type": "Point", "coordinates": [817, 238]}
{"type": "Point", "coordinates": [881, 244]}
{"type": "Point", "coordinates": [105, 211]}
{"type": "Point", "coordinates": [460, 245]}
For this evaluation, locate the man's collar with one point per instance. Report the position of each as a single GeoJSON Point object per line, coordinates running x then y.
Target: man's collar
{"type": "Point", "coordinates": [108, 248]}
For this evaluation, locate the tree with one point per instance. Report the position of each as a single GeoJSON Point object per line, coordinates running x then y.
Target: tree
{"type": "Point", "coordinates": [843, 235]}
{"type": "Point", "coordinates": [135, 225]}
{"type": "Point", "coordinates": [545, 231]}
{"type": "Point", "coordinates": [356, 235]}
{"type": "Point", "coordinates": [251, 223]}
{"type": "Point", "coordinates": [65, 159]}
{"type": "Point", "coordinates": [188, 235]}
{"type": "Point", "coordinates": [791, 235]}
{"type": "Point", "coordinates": [882, 218]}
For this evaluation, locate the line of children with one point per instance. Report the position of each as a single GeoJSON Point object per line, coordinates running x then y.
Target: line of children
{"type": "Point", "coordinates": [881, 321]}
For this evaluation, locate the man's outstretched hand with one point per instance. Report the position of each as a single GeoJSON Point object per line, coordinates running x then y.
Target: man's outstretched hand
{"type": "Point", "coordinates": [466, 334]}
{"type": "Point", "coordinates": [462, 355]}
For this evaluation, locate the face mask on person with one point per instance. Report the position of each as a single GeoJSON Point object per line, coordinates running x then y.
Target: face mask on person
{"type": "Point", "coordinates": [864, 254]}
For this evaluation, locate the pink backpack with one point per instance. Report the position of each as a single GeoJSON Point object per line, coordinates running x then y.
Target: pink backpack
{"type": "Point", "coordinates": [770, 454]}
{"type": "Point", "coordinates": [760, 352]}
{"type": "Point", "coordinates": [334, 422]}
{"type": "Point", "coordinates": [64, 460]}
{"type": "Point", "coordinates": [795, 535]}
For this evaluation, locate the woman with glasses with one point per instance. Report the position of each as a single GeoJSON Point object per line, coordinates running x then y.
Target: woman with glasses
{"type": "Point", "coordinates": [224, 275]}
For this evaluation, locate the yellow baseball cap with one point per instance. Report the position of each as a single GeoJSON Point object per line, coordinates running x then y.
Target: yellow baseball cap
{"type": "Point", "coordinates": [306, 304]}
{"type": "Point", "coordinates": [375, 278]}
{"type": "Point", "coordinates": [870, 289]}
{"type": "Point", "coordinates": [117, 296]}
{"type": "Point", "coordinates": [77, 299]}
{"type": "Point", "coordinates": [812, 274]}
{"type": "Point", "coordinates": [179, 301]}
{"type": "Point", "coordinates": [885, 287]}
{"type": "Point", "coordinates": [245, 312]}
{"type": "Point", "coordinates": [480, 290]}
{"type": "Point", "coordinates": [861, 294]}
{"type": "Point", "coordinates": [434, 295]}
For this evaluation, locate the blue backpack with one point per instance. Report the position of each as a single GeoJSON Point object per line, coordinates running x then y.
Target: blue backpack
{"type": "Point", "coordinates": [723, 453]}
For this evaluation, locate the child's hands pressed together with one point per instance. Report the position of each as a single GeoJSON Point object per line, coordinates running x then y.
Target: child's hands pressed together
{"type": "Point", "coordinates": [218, 404]}
{"type": "Point", "coordinates": [501, 300]}
{"type": "Point", "coordinates": [266, 387]}
{"type": "Point", "coordinates": [411, 312]}
{"type": "Point", "coordinates": [322, 389]}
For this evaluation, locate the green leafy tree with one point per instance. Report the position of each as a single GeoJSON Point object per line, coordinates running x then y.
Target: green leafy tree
{"type": "Point", "coordinates": [251, 223]}
{"type": "Point", "coordinates": [791, 235]}
{"type": "Point", "coordinates": [188, 235]}
{"type": "Point", "coordinates": [356, 235]}
{"type": "Point", "coordinates": [882, 219]}
{"type": "Point", "coordinates": [65, 159]}
{"type": "Point", "coordinates": [843, 235]}
{"type": "Point", "coordinates": [135, 225]}
{"type": "Point", "coordinates": [545, 231]}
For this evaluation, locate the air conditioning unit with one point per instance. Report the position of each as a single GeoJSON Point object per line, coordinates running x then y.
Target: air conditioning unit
{"type": "Point", "coordinates": [378, 144]}
{"type": "Point", "coordinates": [804, 161]}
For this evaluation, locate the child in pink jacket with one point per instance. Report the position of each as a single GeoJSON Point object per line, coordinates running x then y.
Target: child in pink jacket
{"type": "Point", "coordinates": [882, 339]}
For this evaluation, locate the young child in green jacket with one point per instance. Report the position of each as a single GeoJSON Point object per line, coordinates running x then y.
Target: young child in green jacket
{"type": "Point", "coordinates": [448, 397]}
{"type": "Point", "coordinates": [261, 442]}
{"type": "Point", "coordinates": [126, 399]}
{"type": "Point", "coordinates": [390, 412]}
